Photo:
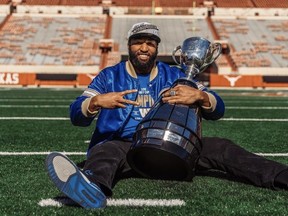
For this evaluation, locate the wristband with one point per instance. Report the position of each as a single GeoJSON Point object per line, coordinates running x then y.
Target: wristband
{"type": "Point", "coordinates": [94, 112]}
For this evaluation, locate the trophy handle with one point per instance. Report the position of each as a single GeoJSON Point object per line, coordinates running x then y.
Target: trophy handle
{"type": "Point", "coordinates": [216, 49]}
{"type": "Point", "coordinates": [174, 52]}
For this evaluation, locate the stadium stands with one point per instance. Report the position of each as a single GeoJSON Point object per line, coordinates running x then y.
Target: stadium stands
{"type": "Point", "coordinates": [229, 4]}
{"type": "Point", "coordinates": [2, 18]}
{"type": "Point", "coordinates": [173, 30]}
{"type": "Point", "coordinates": [158, 3]}
{"type": "Point", "coordinates": [255, 42]}
{"type": "Point", "coordinates": [5, 1]}
{"type": "Point", "coordinates": [76, 37]}
{"type": "Point", "coordinates": [270, 4]}
{"type": "Point", "coordinates": [41, 2]}
{"type": "Point", "coordinates": [52, 40]}
{"type": "Point", "coordinates": [80, 3]}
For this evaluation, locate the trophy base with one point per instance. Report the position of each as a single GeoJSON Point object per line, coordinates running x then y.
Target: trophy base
{"type": "Point", "coordinates": [166, 162]}
{"type": "Point", "coordinates": [167, 142]}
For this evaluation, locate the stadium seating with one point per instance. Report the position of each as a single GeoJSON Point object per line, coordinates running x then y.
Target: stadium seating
{"type": "Point", "coordinates": [173, 30]}
{"type": "Point", "coordinates": [41, 2]}
{"type": "Point", "coordinates": [158, 3]}
{"type": "Point", "coordinates": [65, 41]}
{"type": "Point", "coordinates": [270, 4]}
{"type": "Point", "coordinates": [255, 42]}
{"type": "Point", "coordinates": [46, 40]}
{"type": "Point", "coordinates": [5, 1]}
{"type": "Point", "coordinates": [229, 4]}
{"type": "Point", "coordinates": [80, 3]}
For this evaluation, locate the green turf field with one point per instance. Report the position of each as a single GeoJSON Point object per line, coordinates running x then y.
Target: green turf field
{"type": "Point", "coordinates": [34, 122]}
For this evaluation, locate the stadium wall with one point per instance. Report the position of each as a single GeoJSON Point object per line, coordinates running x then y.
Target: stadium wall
{"type": "Point", "coordinates": [5, 9]}
{"type": "Point", "coordinates": [55, 75]}
{"type": "Point", "coordinates": [248, 81]}
{"type": "Point", "coordinates": [253, 12]}
{"type": "Point", "coordinates": [26, 75]}
{"type": "Point", "coordinates": [83, 78]}
{"type": "Point", "coordinates": [35, 9]}
{"type": "Point", "coordinates": [198, 11]}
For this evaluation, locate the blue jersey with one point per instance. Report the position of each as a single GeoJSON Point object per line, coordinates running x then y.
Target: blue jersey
{"type": "Point", "coordinates": [111, 122]}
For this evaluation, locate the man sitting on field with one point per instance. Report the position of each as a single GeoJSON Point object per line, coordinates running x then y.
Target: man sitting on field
{"type": "Point", "coordinates": [113, 96]}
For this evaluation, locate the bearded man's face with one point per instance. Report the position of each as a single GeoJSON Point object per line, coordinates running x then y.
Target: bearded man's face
{"type": "Point", "coordinates": [142, 54]}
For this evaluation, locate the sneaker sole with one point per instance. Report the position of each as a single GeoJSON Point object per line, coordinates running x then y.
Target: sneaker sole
{"type": "Point", "coordinates": [70, 181]}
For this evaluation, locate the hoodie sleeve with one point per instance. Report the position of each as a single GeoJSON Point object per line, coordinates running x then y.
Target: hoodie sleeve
{"type": "Point", "coordinates": [77, 116]}
{"type": "Point", "coordinates": [217, 107]}
{"type": "Point", "coordinates": [78, 108]}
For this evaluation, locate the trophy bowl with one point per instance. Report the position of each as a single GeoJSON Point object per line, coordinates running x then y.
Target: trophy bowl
{"type": "Point", "coordinates": [196, 54]}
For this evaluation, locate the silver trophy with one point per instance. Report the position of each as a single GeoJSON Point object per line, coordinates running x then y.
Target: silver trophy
{"type": "Point", "coordinates": [197, 54]}
{"type": "Point", "coordinates": [167, 142]}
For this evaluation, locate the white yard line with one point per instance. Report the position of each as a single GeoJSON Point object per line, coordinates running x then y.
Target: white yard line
{"type": "Point", "coordinates": [255, 108]}
{"type": "Point", "coordinates": [34, 106]}
{"type": "Point", "coordinates": [84, 153]}
{"type": "Point", "coordinates": [59, 202]}
{"type": "Point", "coordinates": [256, 101]}
{"type": "Point", "coordinates": [66, 118]}
{"type": "Point", "coordinates": [254, 119]}
{"type": "Point", "coordinates": [36, 118]}
{"type": "Point", "coordinates": [273, 154]}
{"type": "Point", "coordinates": [38, 153]}
{"type": "Point", "coordinates": [67, 106]}
{"type": "Point", "coordinates": [36, 100]}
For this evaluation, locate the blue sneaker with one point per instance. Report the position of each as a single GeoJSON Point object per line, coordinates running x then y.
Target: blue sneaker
{"type": "Point", "coordinates": [72, 182]}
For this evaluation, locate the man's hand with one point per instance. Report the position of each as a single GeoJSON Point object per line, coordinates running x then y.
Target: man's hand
{"type": "Point", "coordinates": [111, 100]}
{"type": "Point", "coordinates": [186, 95]}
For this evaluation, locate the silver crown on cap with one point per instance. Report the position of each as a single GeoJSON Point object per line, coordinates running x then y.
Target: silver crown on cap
{"type": "Point", "coordinates": [144, 29]}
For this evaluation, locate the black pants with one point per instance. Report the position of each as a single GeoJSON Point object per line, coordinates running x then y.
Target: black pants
{"type": "Point", "coordinates": [107, 163]}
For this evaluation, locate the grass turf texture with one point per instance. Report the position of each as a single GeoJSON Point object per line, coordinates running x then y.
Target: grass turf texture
{"type": "Point", "coordinates": [24, 181]}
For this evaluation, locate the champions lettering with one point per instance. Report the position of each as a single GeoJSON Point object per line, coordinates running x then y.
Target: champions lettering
{"type": "Point", "coordinates": [9, 78]}
{"type": "Point", "coordinates": [144, 27]}
{"type": "Point", "coordinates": [146, 101]}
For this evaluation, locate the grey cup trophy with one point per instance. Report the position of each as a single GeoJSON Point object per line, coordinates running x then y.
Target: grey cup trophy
{"type": "Point", "coordinates": [167, 142]}
{"type": "Point", "coordinates": [197, 54]}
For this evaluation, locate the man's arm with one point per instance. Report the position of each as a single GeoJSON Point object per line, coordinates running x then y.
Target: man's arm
{"type": "Point", "coordinates": [216, 109]}
{"type": "Point", "coordinates": [212, 105]}
{"type": "Point", "coordinates": [78, 112]}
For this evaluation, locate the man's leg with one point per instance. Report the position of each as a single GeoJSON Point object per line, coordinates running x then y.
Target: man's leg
{"type": "Point", "coordinates": [106, 164]}
{"type": "Point", "coordinates": [222, 154]}
{"type": "Point", "coordinates": [72, 182]}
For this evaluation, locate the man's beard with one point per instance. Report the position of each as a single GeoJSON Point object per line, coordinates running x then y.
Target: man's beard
{"type": "Point", "coordinates": [142, 67]}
